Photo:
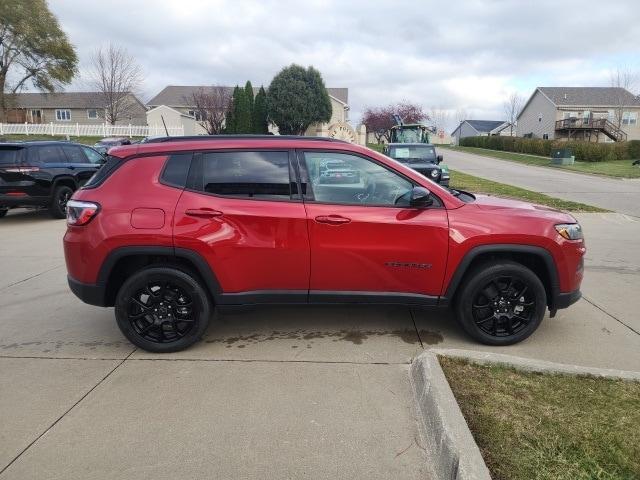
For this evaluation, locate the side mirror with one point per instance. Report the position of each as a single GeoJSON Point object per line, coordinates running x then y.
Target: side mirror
{"type": "Point", "coordinates": [438, 159]}
{"type": "Point", "coordinates": [420, 197]}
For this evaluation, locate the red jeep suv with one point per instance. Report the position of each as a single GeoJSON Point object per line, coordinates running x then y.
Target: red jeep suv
{"type": "Point", "coordinates": [168, 231]}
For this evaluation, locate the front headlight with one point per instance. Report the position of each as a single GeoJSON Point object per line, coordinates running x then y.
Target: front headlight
{"type": "Point", "coordinates": [434, 173]}
{"type": "Point", "coordinates": [570, 231]}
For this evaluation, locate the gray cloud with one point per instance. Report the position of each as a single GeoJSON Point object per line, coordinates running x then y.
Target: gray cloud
{"type": "Point", "coordinates": [457, 55]}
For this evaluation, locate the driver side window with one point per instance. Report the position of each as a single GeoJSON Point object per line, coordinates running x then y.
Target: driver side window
{"type": "Point", "coordinates": [352, 180]}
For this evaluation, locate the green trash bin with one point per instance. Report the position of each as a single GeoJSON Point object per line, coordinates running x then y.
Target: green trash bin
{"type": "Point", "coordinates": [562, 156]}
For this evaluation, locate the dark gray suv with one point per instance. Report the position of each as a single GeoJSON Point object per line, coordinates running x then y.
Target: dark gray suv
{"type": "Point", "coordinates": [422, 158]}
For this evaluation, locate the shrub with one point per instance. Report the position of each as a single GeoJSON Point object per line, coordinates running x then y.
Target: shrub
{"type": "Point", "coordinates": [583, 151]}
{"type": "Point", "coordinates": [634, 149]}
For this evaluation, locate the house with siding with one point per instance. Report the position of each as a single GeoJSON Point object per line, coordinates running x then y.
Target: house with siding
{"type": "Point", "coordinates": [84, 108]}
{"type": "Point", "coordinates": [180, 99]}
{"type": "Point", "coordinates": [479, 128]}
{"type": "Point", "coordinates": [595, 114]}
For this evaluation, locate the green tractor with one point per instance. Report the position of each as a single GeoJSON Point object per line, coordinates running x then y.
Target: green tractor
{"type": "Point", "coordinates": [410, 133]}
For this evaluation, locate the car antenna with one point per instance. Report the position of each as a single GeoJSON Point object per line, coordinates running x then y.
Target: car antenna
{"type": "Point", "coordinates": [165, 126]}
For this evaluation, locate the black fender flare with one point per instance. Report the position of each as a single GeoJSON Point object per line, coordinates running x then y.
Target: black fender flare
{"type": "Point", "coordinates": [63, 178]}
{"type": "Point", "coordinates": [201, 265]}
{"type": "Point", "coordinates": [472, 254]}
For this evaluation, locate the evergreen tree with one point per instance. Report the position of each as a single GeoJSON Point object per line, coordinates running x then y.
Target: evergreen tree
{"type": "Point", "coordinates": [248, 98]}
{"type": "Point", "coordinates": [296, 99]}
{"type": "Point", "coordinates": [231, 120]}
{"type": "Point", "coordinates": [260, 123]}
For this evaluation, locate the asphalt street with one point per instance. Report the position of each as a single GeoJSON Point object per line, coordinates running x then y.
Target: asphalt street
{"type": "Point", "coordinates": [277, 392]}
{"type": "Point", "coordinates": [618, 195]}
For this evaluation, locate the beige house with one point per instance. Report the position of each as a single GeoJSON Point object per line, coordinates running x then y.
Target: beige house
{"type": "Point", "coordinates": [84, 108]}
{"type": "Point", "coordinates": [595, 114]}
{"type": "Point", "coordinates": [179, 99]}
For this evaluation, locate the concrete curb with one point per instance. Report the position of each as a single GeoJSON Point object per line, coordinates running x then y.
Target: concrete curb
{"type": "Point", "coordinates": [532, 365]}
{"type": "Point", "coordinates": [454, 452]}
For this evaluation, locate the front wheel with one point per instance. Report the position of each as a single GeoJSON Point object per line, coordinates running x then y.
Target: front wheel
{"type": "Point", "coordinates": [162, 309]}
{"type": "Point", "coordinates": [501, 304]}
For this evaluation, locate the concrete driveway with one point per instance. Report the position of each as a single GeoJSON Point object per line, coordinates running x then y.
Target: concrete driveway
{"type": "Point", "coordinates": [278, 392]}
{"type": "Point", "coordinates": [619, 195]}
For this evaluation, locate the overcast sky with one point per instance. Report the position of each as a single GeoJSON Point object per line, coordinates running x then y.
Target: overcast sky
{"type": "Point", "coordinates": [455, 55]}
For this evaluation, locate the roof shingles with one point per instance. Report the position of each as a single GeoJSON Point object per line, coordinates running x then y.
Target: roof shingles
{"type": "Point", "coordinates": [179, 95]}
{"type": "Point", "coordinates": [590, 96]}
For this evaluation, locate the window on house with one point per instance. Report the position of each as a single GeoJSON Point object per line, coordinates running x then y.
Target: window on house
{"type": "Point", "coordinates": [36, 116]}
{"type": "Point", "coordinates": [629, 118]}
{"type": "Point", "coordinates": [197, 114]}
{"type": "Point", "coordinates": [92, 114]}
{"type": "Point", "coordinates": [63, 115]}
{"type": "Point", "coordinates": [586, 115]}
{"type": "Point", "coordinates": [545, 136]}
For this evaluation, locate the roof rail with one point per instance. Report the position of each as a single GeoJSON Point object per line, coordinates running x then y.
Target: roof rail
{"type": "Point", "coordinates": [190, 138]}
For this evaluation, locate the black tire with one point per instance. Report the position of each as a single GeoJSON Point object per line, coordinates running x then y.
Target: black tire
{"type": "Point", "coordinates": [58, 207]}
{"type": "Point", "coordinates": [493, 311]}
{"type": "Point", "coordinates": [3, 212]}
{"type": "Point", "coordinates": [152, 303]}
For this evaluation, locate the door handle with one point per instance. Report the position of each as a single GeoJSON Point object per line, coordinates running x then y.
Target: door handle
{"type": "Point", "coordinates": [332, 219]}
{"type": "Point", "coordinates": [203, 212]}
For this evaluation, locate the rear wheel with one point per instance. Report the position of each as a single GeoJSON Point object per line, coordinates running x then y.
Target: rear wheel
{"type": "Point", "coordinates": [501, 304]}
{"type": "Point", "coordinates": [162, 309]}
{"type": "Point", "coordinates": [61, 195]}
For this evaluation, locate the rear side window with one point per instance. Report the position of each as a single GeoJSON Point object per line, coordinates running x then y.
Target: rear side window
{"type": "Point", "coordinates": [104, 172]}
{"type": "Point", "coordinates": [47, 154]}
{"type": "Point", "coordinates": [10, 156]}
{"type": "Point", "coordinates": [176, 170]}
{"type": "Point", "coordinates": [259, 175]}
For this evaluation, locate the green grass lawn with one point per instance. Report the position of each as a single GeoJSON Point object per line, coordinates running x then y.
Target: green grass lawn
{"type": "Point", "coordinates": [615, 168]}
{"type": "Point", "coordinates": [470, 183]}
{"type": "Point", "coordinates": [533, 426]}
{"type": "Point", "coordinates": [81, 139]}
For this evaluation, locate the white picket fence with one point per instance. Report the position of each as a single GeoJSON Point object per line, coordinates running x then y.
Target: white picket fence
{"type": "Point", "coordinates": [98, 130]}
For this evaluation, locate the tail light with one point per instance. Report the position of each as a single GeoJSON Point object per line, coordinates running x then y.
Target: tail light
{"type": "Point", "coordinates": [80, 213]}
{"type": "Point", "coordinates": [22, 169]}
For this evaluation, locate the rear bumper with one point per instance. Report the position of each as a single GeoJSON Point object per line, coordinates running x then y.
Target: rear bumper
{"type": "Point", "coordinates": [565, 300]}
{"type": "Point", "coordinates": [23, 201]}
{"type": "Point", "coordinates": [87, 292]}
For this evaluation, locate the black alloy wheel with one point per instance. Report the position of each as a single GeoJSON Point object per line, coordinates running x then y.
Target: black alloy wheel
{"type": "Point", "coordinates": [501, 303]}
{"type": "Point", "coordinates": [503, 307]}
{"type": "Point", "coordinates": [162, 309]}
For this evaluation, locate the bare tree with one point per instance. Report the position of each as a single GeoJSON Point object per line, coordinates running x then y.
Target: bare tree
{"type": "Point", "coordinates": [115, 75]}
{"type": "Point", "coordinates": [461, 115]}
{"type": "Point", "coordinates": [210, 106]}
{"type": "Point", "coordinates": [625, 79]}
{"type": "Point", "coordinates": [440, 118]}
{"type": "Point", "coordinates": [512, 107]}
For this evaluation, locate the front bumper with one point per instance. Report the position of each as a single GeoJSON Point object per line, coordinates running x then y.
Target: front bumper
{"type": "Point", "coordinates": [87, 292]}
{"type": "Point", "coordinates": [565, 300]}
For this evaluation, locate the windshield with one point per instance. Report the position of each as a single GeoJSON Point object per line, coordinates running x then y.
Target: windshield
{"type": "Point", "coordinates": [413, 152]}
